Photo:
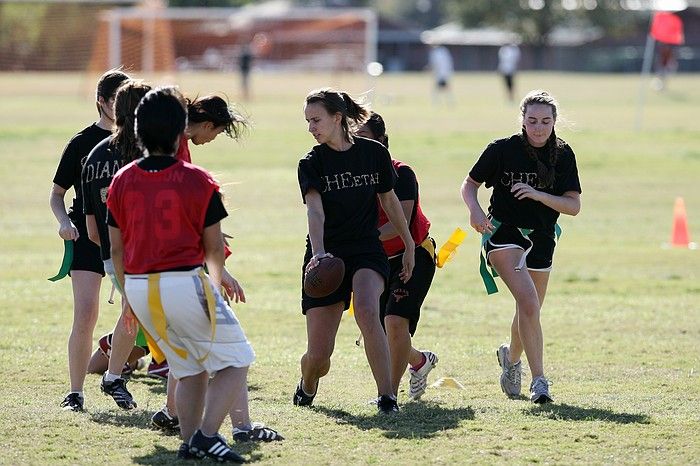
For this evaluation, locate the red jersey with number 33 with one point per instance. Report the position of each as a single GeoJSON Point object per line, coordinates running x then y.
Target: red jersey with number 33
{"type": "Point", "coordinates": [161, 215]}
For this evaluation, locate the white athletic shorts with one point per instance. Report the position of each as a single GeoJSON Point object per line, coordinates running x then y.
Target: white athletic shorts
{"type": "Point", "coordinates": [188, 326]}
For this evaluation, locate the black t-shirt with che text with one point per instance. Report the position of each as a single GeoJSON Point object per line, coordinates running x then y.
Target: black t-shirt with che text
{"type": "Point", "coordinates": [504, 163]}
{"type": "Point", "coordinates": [71, 165]}
{"type": "Point", "coordinates": [348, 182]}
{"type": "Point", "coordinates": [102, 164]}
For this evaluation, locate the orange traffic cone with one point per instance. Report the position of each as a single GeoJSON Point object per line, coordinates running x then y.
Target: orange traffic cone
{"type": "Point", "coordinates": [680, 237]}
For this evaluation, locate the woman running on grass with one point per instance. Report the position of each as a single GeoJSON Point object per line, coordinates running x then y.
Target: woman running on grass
{"type": "Point", "coordinates": [534, 179]}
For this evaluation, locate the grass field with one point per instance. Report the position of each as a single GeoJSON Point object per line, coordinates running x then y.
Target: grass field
{"type": "Point", "coordinates": [621, 320]}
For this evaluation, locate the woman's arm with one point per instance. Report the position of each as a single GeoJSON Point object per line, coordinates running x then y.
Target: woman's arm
{"type": "Point", "coordinates": [213, 243]}
{"type": "Point", "coordinates": [388, 231]}
{"type": "Point", "coordinates": [477, 217]}
{"type": "Point", "coordinates": [316, 218]}
{"type": "Point", "coordinates": [66, 229]}
{"type": "Point", "coordinates": [93, 232]}
{"type": "Point", "coordinates": [117, 252]}
{"type": "Point", "coordinates": [568, 203]}
{"type": "Point", "coordinates": [392, 207]}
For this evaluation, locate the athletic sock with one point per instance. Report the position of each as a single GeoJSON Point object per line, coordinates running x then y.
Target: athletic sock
{"type": "Point", "coordinates": [80, 393]}
{"type": "Point", "coordinates": [418, 366]}
{"type": "Point", "coordinates": [109, 377]}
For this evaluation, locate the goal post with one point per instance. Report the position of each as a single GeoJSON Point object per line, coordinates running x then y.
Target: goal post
{"type": "Point", "coordinates": [156, 38]}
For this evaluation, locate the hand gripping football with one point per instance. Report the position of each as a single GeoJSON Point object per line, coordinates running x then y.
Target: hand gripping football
{"type": "Point", "coordinates": [325, 278]}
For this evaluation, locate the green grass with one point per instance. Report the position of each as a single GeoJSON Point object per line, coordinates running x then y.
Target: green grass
{"type": "Point", "coordinates": [621, 320]}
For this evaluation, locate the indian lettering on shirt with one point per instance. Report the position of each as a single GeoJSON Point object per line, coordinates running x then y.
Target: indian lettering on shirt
{"type": "Point", "coordinates": [347, 180]}
{"type": "Point", "coordinates": [508, 179]}
{"type": "Point", "coordinates": [99, 170]}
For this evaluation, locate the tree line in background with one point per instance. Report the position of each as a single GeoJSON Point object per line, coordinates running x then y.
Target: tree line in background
{"type": "Point", "coordinates": [532, 19]}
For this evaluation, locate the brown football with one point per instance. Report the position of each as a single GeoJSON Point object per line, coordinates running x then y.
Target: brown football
{"type": "Point", "coordinates": [325, 278]}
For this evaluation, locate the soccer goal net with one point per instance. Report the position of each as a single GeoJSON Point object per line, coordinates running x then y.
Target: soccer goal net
{"type": "Point", "coordinates": [95, 35]}
{"type": "Point", "coordinates": [278, 36]}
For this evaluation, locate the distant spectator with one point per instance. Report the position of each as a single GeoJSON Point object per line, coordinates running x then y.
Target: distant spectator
{"type": "Point", "coordinates": [508, 58]}
{"type": "Point", "coordinates": [666, 65]}
{"type": "Point", "coordinates": [440, 61]}
{"type": "Point", "coordinates": [245, 63]}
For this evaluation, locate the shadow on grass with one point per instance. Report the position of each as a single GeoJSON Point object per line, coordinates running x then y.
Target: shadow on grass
{"type": "Point", "coordinates": [420, 420]}
{"type": "Point", "coordinates": [159, 386]}
{"type": "Point", "coordinates": [162, 455]}
{"type": "Point", "coordinates": [154, 385]}
{"type": "Point", "coordinates": [564, 412]}
{"type": "Point", "coordinates": [140, 419]}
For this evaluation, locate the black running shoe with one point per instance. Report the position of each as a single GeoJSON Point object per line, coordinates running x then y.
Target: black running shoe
{"type": "Point", "coordinates": [215, 447]}
{"type": "Point", "coordinates": [387, 404]}
{"type": "Point", "coordinates": [73, 402]}
{"type": "Point", "coordinates": [257, 433]}
{"type": "Point", "coordinates": [164, 421]}
{"type": "Point", "coordinates": [301, 398]}
{"type": "Point", "coordinates": [183, 453]}
{"type": "Point", "coordinates": [118, 391]}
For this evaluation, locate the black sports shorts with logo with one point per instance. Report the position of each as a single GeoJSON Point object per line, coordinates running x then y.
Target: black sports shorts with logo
{"type": "Point", "coordinates": [405, 299]}
{"type": "Point", "coordinates": [539, 257]}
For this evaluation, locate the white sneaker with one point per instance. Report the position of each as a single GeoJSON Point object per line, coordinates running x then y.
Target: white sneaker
{"type": "Point", "coordinates": [511, 374]}
{"type": "Point", "coordinates": [419, 378]}
{"type": "Point", "coordinates": [539, 390]}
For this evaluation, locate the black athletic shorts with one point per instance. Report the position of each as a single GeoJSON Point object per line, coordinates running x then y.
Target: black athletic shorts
{"type": "Point", "coordinates": [376, 261]}
{"type": "Point", "coordinates": [540, 244]}
{"type": "Point", "coordinates": [86, 254]}
{"type": "Point", "coordinates": [405, 299]}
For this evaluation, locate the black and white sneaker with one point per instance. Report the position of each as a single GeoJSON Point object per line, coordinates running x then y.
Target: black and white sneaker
{"type": "Point", "coordinates": [73, 402]}
{"type": "Point", "coordinates": [117, 390]}
{"type": "Point", "coordinates": [256, 433]}
{"type": "Point", "coordinates": [387, 404]}
{"type": "Point", "coordinates": [214, 447]}
{"type": "Point", "coordinates": [300, 396]}
{"type": "Point", "coordinates": [164, 421]}
{"type": "Point", "coordinates": [183, 453]}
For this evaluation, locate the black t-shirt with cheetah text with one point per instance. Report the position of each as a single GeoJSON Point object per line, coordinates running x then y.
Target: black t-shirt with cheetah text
{"type": "Point", "coordinates": [504, 163]}
{"type": "Point", "coordinates": [349, 182]}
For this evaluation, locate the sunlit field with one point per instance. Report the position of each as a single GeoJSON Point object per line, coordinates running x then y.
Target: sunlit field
{"type": "Point", "coordinates": [621, 320]}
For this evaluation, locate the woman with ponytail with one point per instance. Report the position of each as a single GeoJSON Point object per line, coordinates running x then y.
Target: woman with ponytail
{"type": "Point", "coordinates": [534, 179]}
{"type": "Point", "coordinates": [104, 161]}
{"type": "Point", "coordinates": [340, 180]}
{"type": "Point", "coordinates": [401, 302]}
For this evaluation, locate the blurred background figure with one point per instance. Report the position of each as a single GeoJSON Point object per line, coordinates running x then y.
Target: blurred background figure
{"type": "Point", "coordinates": [508, 58]}
{"type": "Point", "coordinates": [245, 63]}
{"type": "Point", "coordinates": [440, 61]}
{"type": "Point", "coordinates": [666, 65]}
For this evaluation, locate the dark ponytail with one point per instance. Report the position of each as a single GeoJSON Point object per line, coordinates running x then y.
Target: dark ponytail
{"type": "Point", "coordinates": [216, 110]}
{"type": "Point", "coordinates": [125, 102]}
{"type": "Point", "coordinates": [545, 170]}
{"type": "Point", "coordinates": [376, 124]}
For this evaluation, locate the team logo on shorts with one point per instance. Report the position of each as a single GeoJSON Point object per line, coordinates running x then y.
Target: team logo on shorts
{"type": "Point", "coordinates": [399, 294]}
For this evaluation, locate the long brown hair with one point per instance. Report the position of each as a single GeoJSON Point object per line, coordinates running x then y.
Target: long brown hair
{"type": "Point", "coordinates": [219, 112]}
{"type": "Point", "coordinates": [353, 114]}
{"type": "Point", "coordinates": [128, 97]}
{"type": "Point", "coordinates": [545, 170]}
